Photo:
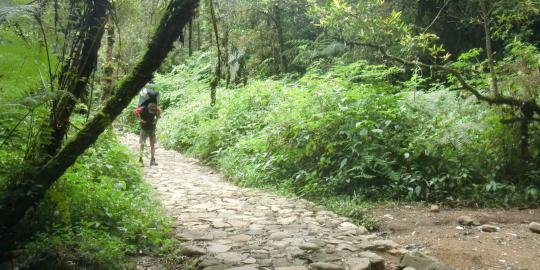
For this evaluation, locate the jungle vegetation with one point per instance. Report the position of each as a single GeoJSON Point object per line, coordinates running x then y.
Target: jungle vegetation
{"type": "Point", "coordinates": [345, 102]}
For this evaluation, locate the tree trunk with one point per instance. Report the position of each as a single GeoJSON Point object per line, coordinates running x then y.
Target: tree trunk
{"type": "Point", "coordinates": [489, 49]}
{"type": "Point", "coordinates": [225, 58]}
{"type": "Point", "coordinates": [190, 38]}
{"type": "Point", "coordinates": [217, 72]}
{"type": "Point", "coordinates": [108, 70]}
{"type": "Point", "coordinates": [524, 139]}
{"type": "Point", "coordinates": [283, 63]}
{"type": "Point", "coordinates": [527, 117]}
{"type": "Point", "coordinates": [199, 41]}
{"type": "Point", "coordinates": [75, 76]}
{"type": "Point", "coordinates": [421, 8]}
{"type": "Point", "coordinates": [18, 198]}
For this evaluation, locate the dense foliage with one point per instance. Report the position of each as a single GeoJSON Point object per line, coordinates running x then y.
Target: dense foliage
{"type": "Point", "coordinates": [347, 132]}
{"type": "Point", "coordinates": [344, 102]}
{"type": "Point", "coordinates": [100, 214]}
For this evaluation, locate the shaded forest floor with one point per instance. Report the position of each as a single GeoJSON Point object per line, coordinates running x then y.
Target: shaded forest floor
{"type": "Point", "coordinates": [513, 246]}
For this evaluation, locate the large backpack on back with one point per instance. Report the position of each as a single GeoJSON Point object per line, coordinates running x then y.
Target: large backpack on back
{"type": "Point", "coordinates": [146, 96]}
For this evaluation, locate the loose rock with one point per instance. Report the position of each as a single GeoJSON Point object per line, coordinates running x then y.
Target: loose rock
{"type": "Point", "coordinates": [346, 247]}
{"type": "Point", "coordinates": [465, 220]}
{"type": "Point", "coordinates": [324, 266]}
{"type": "Point", "coordinates": [240, 238]}
{"type": "Point", "coordinates": [309, 246]}
{"type": "Point", "coordinates": [221, 224]}
{"type": "Point", "coordinates": [231, 257]}
{"type": "Point", "coordinates": [209, 262]}
{"type": "Point", "coordinates": [434, 208]}
{"type": "Point", "coordinates": [398, 251]}
{"type": "Point", "coordinates": [422, 261]}
{"type": "Point", "coordinates": [292, 268]}
{"type": "Point", "coordinates": [218, 248]}
{"type": "Point", "coordinates": [377, 262]}
{"type": "Point", "coordinates": [483, 218]}
{"type": "Point", "coordinates": [278, 236]}
{"type": "Point", "coordinates": [384, 245]}
{"type": "Point", "coordinates": [534, 227]}
{"type": "Point", "coordinates": [358, 264]}
{"type": "Point", "coordinates": [192, 251]}
{"type": "Point", "coordinates": [249, 261]}
{"type": "Point", "coordinates": [245, 267]}
{"type": "Point", "coordinates": [488, 228]}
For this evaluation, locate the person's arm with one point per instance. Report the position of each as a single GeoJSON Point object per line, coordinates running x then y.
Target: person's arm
{"type": "Point", "coordinates": [137, 113]}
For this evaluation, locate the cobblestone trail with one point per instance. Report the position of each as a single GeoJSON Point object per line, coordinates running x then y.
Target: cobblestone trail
{"type": "Point", "coordinates": [239, 228]}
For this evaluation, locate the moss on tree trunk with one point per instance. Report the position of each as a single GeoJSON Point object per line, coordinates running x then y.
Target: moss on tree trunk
{"type": "Point", "coordinates": [18, 198]}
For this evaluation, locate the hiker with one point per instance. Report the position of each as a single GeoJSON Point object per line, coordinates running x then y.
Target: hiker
{"type": "Point", "coordinates": [148, 112]}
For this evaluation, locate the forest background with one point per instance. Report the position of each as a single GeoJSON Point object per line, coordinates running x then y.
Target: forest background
{"type": "Point", "coordinates": [343, 102]}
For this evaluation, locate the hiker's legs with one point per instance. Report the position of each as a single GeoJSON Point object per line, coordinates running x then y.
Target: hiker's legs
{"type": "Point", "coordinates": [142, 141]}
{"type": "Point", "coordinates": [152, 136]}
{"type": "Point", "coordinates": [141, 150]}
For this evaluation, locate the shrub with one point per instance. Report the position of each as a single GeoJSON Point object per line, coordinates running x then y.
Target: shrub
{"type": "Point", "coordinates": [98, 214]}
{"type": "Point", "coordinates": [348, 132]}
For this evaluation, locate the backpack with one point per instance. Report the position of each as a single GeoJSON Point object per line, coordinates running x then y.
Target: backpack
{"type": "Point", "coordinates": [148, 95]}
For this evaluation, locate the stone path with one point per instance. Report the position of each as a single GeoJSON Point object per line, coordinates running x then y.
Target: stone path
{"type": "Point", "coordinates": [238, 228]}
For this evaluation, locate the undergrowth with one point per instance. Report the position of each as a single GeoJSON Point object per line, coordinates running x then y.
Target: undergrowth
{"type": "Point", "coordinates": [348, 133]}
{"type": "Point", "coordinates": [98, 215]}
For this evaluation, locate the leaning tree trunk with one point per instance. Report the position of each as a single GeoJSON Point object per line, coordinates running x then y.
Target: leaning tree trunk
{"type": "Point", "coordinates": [15, 202]}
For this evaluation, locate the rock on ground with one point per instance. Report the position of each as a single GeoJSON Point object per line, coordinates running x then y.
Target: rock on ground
{"type": "Point", "coordinates": [488, 228]}
{"type": "Point", "coordinates": [421, 261]}
{"type": "Point", "coordinates": [189, 250]}
{"type": "Point", "coordinates": [465, 220]}
{"type": "Point", "coordinates": [534, 227]}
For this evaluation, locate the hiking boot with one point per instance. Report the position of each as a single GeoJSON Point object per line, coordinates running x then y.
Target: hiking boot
{"type": "Point", "coordinates": [153, 162]}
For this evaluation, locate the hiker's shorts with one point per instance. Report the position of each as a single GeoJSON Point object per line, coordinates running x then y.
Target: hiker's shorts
{"type": "Point", "coordinates": [147, 134]}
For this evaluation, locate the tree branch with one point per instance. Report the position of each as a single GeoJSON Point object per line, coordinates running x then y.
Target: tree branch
{"type": "Point", "coordinates": [489, 48]}
{"type": "Point", "coordinates": [497, 100]}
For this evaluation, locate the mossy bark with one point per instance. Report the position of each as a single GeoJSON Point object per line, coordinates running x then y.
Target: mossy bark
{"type": "Point", "coordinates": [77, 74]}
{"type": "Point", "coordinates": [108, 67]}
{"type": "Point", "coordinates": [19, 198]}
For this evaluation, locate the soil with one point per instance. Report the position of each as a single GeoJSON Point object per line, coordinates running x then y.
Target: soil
{"type": "Point", "coordinates": [513, 246]}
